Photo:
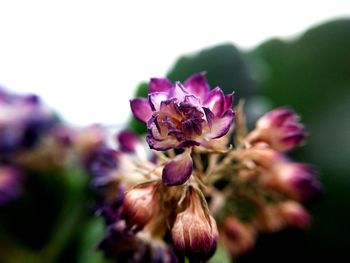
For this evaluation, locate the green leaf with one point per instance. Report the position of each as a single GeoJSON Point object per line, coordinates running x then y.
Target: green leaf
{"type": "Point", "coordinates": [221, 255]}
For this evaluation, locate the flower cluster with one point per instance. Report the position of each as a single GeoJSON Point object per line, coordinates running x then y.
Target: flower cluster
{"type": "Point", "coordinates": [191, 190]}
{"type": "Point", "coordinates": [24, 121]}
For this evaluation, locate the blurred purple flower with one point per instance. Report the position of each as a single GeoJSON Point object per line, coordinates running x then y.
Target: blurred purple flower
{"type": "Point", "coordinates": [23, 119]}
{"type": "Point", "coordinates": [279, 128]}
{"type": "Point", "coordinates": [10, 184]}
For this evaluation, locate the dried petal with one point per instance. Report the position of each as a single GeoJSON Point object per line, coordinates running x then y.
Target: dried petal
{"type": "Point", "coordinates": [178, 171]}
{"type": "Point", "coordinates": [141, 109]}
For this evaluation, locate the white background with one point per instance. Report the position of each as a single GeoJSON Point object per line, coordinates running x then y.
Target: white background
{"type": "Point", "coordinates": [86, 57]}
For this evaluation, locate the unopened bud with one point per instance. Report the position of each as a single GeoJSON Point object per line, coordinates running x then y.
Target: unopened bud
{"type": "Point", "coordinates": [279, 128]}
{"type": "Point", "coordinates": [299, 181]}
{"type": "Point", "coordinates": [237, 236]}
{"type": "Point", "coordinates": [139, 206]}
{"type": "Point", "coordinates": [294, 214]}
{"type": "Point", "coordinates": [194, 233]}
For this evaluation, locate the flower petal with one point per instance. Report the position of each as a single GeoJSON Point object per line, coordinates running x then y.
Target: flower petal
{"type": "Point", "coordinates": [197, 85]}
{"type": "Point", "coordinates": [277, 118]}
{"type": "Point", "coordinates": [161, 145]}
{"type": "Point", "coordinates": [178, 92]}
{"type": "Point", "coordinates": [141, 109]}
{"type": "Point", "coordinates": [170, 108]}
{"type": "Point", "coordinates": [156, 98]}
{"type": "Point", "coordinates": [220, 126]}
{"type": "Point", "coordinates": [215, 101]}
{"type": "Point", "coordinates": [159, 85]}
{"type": "Point", "coordinates": [178, 170]}
{"type": "Point", "coordinates": [228, 101]}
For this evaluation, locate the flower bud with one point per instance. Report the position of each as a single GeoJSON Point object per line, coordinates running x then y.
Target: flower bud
{"type": "Point", "coordinates": [294, 214]}
{"type": "Point", "coordinates": [262, 155]}
{"type": "Point", "coordinates": [280, 129]}
{"type": "Point", "coordinates": [10, 184]}
{"type": "Point", "coordinates": [237, 236]}
{"type": "Point", "coordinates": [194, 233]}
{"type": "Point", "coordinates": [299, 181]}
{"type": "Point", "coordinates": [128, 142]}
{"type": "Point", "coordinates": [139, 206]}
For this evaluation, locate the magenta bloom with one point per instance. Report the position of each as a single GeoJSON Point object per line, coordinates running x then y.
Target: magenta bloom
{"type": "Point", "coordinates": [183, 115]}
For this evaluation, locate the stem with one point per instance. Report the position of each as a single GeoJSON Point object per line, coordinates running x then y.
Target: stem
{"type": "Point", "coordinates": [198, 162]}
{"type": "Point", "coordinates": [212, 164]}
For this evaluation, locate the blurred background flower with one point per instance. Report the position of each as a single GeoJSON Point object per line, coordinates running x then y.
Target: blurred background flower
{"type": "Point", "coordinates": [85, 59]}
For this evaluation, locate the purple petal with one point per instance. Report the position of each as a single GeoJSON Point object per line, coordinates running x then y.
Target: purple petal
{"type": "Point", "coordinates": [197, 85]}
{"type": "Point", "coordinates": [220, 126]}
{"type": "Point", "coordinates": [293, 140]}
{"type": "Point", "coordinates": [277, 118]}
{"type": "Point", "coordinates": [159, 85]}
{"type": "Point", "coordinates": [228, 101]}
{"type": "Point", "coordinates": [188, 143]}
{"type": "Point", "coordinates": [161, 145]}
{"type": "Point", "coordinates": [193, 100]}
{"type": "Point", "coordinates": [128, 141]}
{"type": "Point", "coordinates": [305, 182]}
{"type": "Point", "coordinates": [215, 101]}
{"type": "Point", "coordinates": [154, 128]}
{"type": "Point", "coordinates": [192, 127]}
{"type": "Point", "coordinates": [156, 98]}
{"type": "Point", "coordinates": [178, 170]}
{"type": "Point", "coordinates": [178, 92]}
{"type": "Point", "coordinates": [209, 116]}
{"type": "Point", "coordinates": [170, 108]}
{"type": "Point", "coordinates": [141, 109]}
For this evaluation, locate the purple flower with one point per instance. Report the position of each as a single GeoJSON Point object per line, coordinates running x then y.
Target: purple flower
{"type": "Point", "coordinates": [181, 116]}
{"type": "Point", "coordinates": [280, 128]}
{"type": "Point", "coordinates": [23, 119]}
{"type": "Point", "coordinates": [100, 163]}
{"type": "Point", "coordinates": [10, 184]}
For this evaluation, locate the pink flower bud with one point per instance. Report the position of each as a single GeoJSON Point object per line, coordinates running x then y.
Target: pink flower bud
{"type": "Point", "coordinates": [237, 236]}
{"type": "Point", "coordinates": [139, 206]}
{"type": "Point", "coordinates": [294, 214]}
{"type": "Point", "coordinates": [194, 233]}
{"type": "Point", "coordinates": [11, 180]}
{"type": "Point", "coordinates": [279, 128]}
{"type": "Point", "coordinates": [299, 181]}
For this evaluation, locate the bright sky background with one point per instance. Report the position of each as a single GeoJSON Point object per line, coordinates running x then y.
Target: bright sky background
{"type": "Point", "coordinates": [86, 57]}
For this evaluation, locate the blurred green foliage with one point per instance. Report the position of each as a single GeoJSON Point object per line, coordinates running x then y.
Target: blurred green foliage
{"type": "Point", "coordinates": [52, 221]}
